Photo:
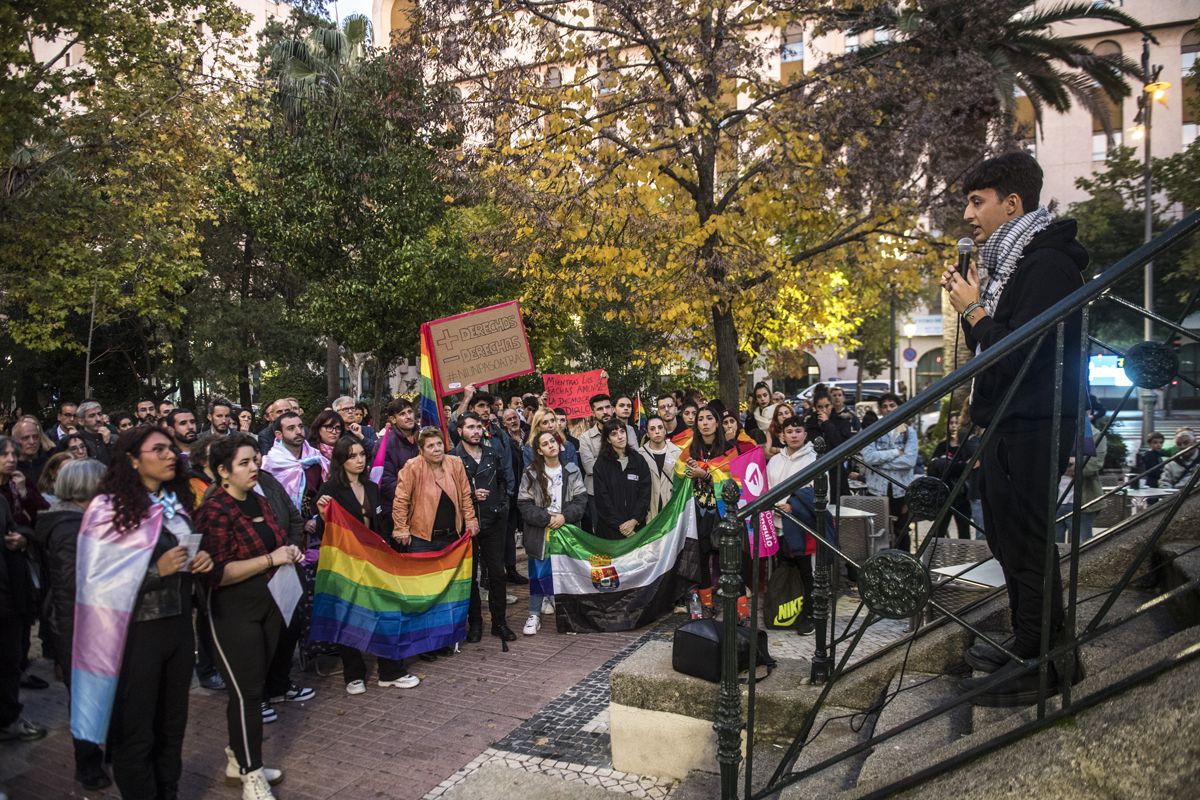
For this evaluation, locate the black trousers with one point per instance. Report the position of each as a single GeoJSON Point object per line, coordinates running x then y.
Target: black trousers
{"type": "Point", "coordinates": [12, 628]}
{"type": "Point", "coordinates": [1018, 513]}
{"type": "Point", "coordinates": [898, 510]}
{"type": "Point", "coordinates": [960, 510]}
{"type": "Point", "coordinates": [354, 667]}
{"type": "Point", "coordinates": [205, 666]}
{"type": "Point", "coordinates": [279, 670]}
{"type": "Point", "coordinates": [145, 737]}
{"type": "Point", "coordinates": [488, 548]}
{"type": "Point", "coordinates": [246, 627]}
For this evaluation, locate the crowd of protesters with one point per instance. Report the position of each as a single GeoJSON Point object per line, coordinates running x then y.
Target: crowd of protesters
{"type": "Point", "coordinates": [228, 498]}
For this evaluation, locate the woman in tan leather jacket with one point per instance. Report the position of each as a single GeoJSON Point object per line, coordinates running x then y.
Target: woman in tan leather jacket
{"type": "Point", "coordinates": [433, 498]}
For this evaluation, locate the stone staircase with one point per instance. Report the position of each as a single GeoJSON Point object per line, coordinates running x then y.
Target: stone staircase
{"type": "Point", "coordinates": [1098, 751]}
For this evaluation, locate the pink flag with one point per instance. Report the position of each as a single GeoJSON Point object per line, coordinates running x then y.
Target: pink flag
{"type": "Point", "coordinates": [750, 471]}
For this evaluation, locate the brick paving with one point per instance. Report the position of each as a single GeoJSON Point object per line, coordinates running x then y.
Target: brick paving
{"type": "Point", "coordinates": [541, 707]}
{"type": "Point", "coordinates": [389, 743]}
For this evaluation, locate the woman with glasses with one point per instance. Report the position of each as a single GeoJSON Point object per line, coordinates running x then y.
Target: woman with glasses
{"type": "Point", "coordinates": [326, 429]}
{"type": "Point", "coordinates": [74, 444]}
{"type": "Point", "coordinates": [349, 487]}
{"type": "Point", "coordinates": [247, 546]}
{"type": "Point", "coordinates": [134, 608]}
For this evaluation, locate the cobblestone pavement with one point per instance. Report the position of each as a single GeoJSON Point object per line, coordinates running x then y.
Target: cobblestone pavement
{"type": "Point", "coordinates": [542, 707]}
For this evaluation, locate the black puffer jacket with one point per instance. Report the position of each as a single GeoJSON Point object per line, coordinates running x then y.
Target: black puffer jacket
{"type": "Point", "coordinates": [1050, 268]}
{"type": "Point", "coordinates": [56, 534]}
{"type": "Point", "coordinates": [16, 588]}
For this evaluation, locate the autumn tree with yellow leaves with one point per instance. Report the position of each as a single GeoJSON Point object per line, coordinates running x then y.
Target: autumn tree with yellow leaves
{"type": "Point", "coordinates": [653, 155]}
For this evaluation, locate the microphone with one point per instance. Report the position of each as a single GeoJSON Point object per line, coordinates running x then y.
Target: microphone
{"type": "Point", "coordinates": [965, 247]}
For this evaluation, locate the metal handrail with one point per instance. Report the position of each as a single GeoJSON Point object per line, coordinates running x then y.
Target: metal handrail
{"type": "Point", "coordinates": [826, 668]}
{"type": "Point", "coordinates": [1043, 322]}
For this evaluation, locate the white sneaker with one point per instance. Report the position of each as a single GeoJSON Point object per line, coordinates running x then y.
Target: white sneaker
{"type": "Point", "coordinates": [547, 605]}
{"type": "Point", "coordinates": [255, 786]}
{"type": "Point", "coordinates": [403, 682]}
{"type": "Point", "coordinates": [356, 687]}
{"type": "Point", "coordinates": [233, 772]}
{"type": "Point", "coordinates": [532, 625]}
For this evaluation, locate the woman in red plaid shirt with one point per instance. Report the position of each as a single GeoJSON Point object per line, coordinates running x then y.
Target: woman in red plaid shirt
{"type": "Point", "coordinates": [247, 547]}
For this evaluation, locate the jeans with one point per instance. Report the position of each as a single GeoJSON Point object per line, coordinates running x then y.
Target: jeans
{"type": "Point", "coordinates": [1063, 529]}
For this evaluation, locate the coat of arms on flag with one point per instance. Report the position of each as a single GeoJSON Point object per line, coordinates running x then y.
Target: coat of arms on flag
{"type": "Point", "coordinates": [604, 574]}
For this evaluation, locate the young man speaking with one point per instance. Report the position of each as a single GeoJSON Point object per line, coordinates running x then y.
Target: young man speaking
{"type": "Point", "coordinates": [1031, 262]}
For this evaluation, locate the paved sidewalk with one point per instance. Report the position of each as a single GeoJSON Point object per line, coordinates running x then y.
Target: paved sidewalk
{"type": "Point", "coordinates": [386, 743]}
{"type": "Point", "coordinates": [541, 708]}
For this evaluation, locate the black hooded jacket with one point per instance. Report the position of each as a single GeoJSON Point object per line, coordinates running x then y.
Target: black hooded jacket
{"type": "Point", "coordinates": [56, 533]}
{"type": "Point", "coordinates": [1050, 269]}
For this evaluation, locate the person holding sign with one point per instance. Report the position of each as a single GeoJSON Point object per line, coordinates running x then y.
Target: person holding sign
{"type": "Point", "coordinates": [248, 546]}
{"type": "Point", "coordinates": [622, 484]}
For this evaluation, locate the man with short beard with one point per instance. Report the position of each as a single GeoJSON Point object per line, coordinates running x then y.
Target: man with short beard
{"type": "Point", "coordinates": [669, 411]}
{"type": "Point", "coordinates": [220, 417]}
{"type": "Point", "coordinates": [491, 500]}
{"type": "Point", "coordinates": [144, 412]}
{"type": "Point", "coordinates": [165, 408]}
{"type": "Point", "coordinates": [399, 443]}
{"type": "Point", "coordinates": [181, 424]}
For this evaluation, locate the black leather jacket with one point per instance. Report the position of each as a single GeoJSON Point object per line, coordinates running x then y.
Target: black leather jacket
{"type": "Point", "coordinates": [161, 597]}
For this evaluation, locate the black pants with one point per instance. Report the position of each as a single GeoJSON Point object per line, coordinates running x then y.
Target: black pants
{"type": "Point", "coordinates": [89, 756]}
{"type": "Point", "coordinates": [145, 737]}
{"type": "Point", "coordinates": [354, 667]}
{"type": "Point", "coordinates": [246, 627]}
{"type": "Point", "coordinates": [488, 547]}
{"type": "Point", "coordinates": [960, 509]}
{"type": "Point", "coordinates": [205, 666]}
{"type": "Point", "coordinates": [11, 630]}
{"type": "Point", "coordinates": [1018, 505]}
{"type": "Point", "coordinates": [898, 511]}
{"type": "Point", "coordinates": [279, 670]}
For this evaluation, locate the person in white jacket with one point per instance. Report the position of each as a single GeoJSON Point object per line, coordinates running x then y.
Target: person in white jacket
{"type": "Point", "coordinates": [797, 453]}
{"type": "Point", "coordinates": [661, 454]}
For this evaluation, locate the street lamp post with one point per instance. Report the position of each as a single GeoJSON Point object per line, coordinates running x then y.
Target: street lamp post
{"type": "Point", "coordinates": [1152, 89]}
{"type": "Point", "coordinates": [910, 330]}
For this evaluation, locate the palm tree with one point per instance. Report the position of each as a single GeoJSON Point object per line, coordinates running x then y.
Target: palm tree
{"type": "Point", "coordinates": [316, 68]}
{"type": "Point", "coordinates": [1014, 43]}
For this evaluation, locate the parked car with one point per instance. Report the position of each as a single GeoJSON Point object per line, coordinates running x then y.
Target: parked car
{"type": "Point", "coordinates": [871, 390]}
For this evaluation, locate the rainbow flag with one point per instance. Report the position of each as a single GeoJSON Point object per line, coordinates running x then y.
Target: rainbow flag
{"type": "Point", "coordinates": [639, 413]}
{"type": "Point", "coordinates": [389, 604]}
{"type": "Point", "coordinates": [430, 402]}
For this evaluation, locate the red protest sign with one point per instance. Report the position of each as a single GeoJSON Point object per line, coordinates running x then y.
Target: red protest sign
{"type": "Point", "coordinates": [571, 391]}
{"type": "Point", "coordinates": [481, 346]}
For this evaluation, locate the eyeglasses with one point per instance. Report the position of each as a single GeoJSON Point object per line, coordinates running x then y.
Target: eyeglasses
{"type": "Point", "coordinates": [159, 451]}
{"type": "Point", "coordinates": [331, 427]}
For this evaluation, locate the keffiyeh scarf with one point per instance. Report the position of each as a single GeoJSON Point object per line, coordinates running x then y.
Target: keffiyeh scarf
{"type": "Point", "coordinates": [1003, 249]}
{"type": "Point", "coordinates": [289, 470]}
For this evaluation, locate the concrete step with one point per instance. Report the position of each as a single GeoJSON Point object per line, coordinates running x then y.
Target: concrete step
{"type": "Point", "coordinates": [914, 696]}
{"type": "Point", "coordinates": [1179, 563]}
{"type": "Point", "coordinates": [1152, 627]}
{"type": "Point", "coordinates": [1144, 743]}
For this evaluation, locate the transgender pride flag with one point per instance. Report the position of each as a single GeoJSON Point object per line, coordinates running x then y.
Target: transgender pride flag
{"type": "Point", "coordinates": [109, 569]}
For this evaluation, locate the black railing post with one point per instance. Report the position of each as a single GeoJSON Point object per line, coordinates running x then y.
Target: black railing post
{"type": "Point", "coordinates": [728, 724]}
{"type": "Point", "coordinates": [822, 660]}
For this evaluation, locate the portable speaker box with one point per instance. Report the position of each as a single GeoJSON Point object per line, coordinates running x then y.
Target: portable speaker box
{"type": "Point", "coordinates": [696, 649]}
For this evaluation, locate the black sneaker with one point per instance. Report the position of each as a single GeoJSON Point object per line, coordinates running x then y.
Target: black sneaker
{"type": "Point", "coordinates": [1018, 685]}
{"type": "Point", "coordinates": [295, 694]}
{"type": "Point", "coordinates": [474, 633]}
{"type": "Point", "coordinates": [805, 626]}
{"type": "Point", "coordinates": [983, 656]}
{"type": "Point", "coordinates": [512, 576]}
{"type": "Point", "coordinates": [504, 632]}
{"type": "Point", "coordinates": [269, 714]}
